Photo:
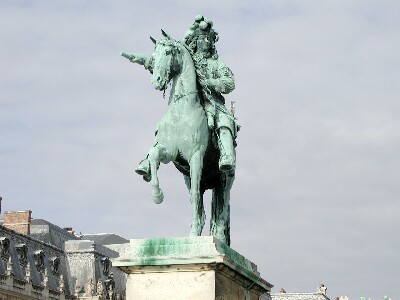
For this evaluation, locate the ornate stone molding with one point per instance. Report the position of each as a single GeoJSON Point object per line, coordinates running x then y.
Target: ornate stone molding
{"type": "Point", "coordinates": [106, 265]}
{"type": "Point", "coordinates": [9, 268]}
{"type": "Point", "coordinates": [38, 257]}
{"type": "Point", "coordinates": [22, 252]}
{"type": "Point", "coordinates": [18, 238]}
{"type": "Point", "coordinates": [4, 248]}
{"type": "Point", "coordinates": [90, 288]}
{"type": "Point", "coordinates": [110, 284]}
{"type": "Point", "coordinates": [28, 272]}
{"type": "Point", "coordinates": [298, 296]}
{"type": "Point", "coordinates": [86, 254]}
{"type": "Point", "coordinates": [45, 279]}
{"type": "Point", "coordinates": [100, 288]}
{"type": "Point", "coordinates": [54, 262]}
{"type": "Point", "coordinates": [61, 284]}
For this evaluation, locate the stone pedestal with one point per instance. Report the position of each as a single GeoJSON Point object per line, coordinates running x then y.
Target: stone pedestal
{"type": "Point", "coordinates": [195, 268]}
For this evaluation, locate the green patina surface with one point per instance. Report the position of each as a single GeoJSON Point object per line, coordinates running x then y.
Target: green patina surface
{"type": "Point", "coordinates": [197, 132]}
{"type": "Point", "coordinates": [185, 251]}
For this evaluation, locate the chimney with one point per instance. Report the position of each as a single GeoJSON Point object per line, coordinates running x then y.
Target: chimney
{"type": "Point", "coordinates": [69, 230]}
{"type": "Point", "coordinates": [19, 221]}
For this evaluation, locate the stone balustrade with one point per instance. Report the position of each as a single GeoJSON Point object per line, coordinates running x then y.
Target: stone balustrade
{"type": "Point", "coordinates": [14, 288]}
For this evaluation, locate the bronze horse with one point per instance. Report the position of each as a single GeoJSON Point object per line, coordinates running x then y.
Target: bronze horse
{"type": "Point", "coordinates": [183, 137]}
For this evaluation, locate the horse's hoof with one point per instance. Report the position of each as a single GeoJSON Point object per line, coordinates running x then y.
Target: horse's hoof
{"type": "Point", "coordinates": [143, 168]}
{"type": "Point", "coordinates": [158, 198]}
{"type": "Point", "coordinates": [195, 232]}
{"type": "Point", "coordinates": [221, 238]}
{"type": "Point", "coordinates": [147, 178]}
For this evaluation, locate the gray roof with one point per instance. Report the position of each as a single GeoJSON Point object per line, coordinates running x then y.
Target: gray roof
{"type": "Point", "coordinates": [47, 232]}
{"type": "Point", "coordinates": [41, 222]}
{"type": "Point", "coordinates": [105, 238]}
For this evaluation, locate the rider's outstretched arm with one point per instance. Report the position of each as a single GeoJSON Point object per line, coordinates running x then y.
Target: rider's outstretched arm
{"type": "Point", "coordinates": [144, 60]}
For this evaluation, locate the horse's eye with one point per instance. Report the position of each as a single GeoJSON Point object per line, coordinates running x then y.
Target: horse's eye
{"type": "Point", "coordinates": [167, 52]}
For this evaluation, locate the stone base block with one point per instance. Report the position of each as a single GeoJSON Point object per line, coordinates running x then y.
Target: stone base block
{"type": "Point", "coordinates": [198, 268]}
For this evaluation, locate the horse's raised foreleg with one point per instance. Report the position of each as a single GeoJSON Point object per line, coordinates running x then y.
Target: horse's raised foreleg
{"type": "Point", "coordinates": [154, 160]}
{"type": "Point", "coordinates": [198, 214]}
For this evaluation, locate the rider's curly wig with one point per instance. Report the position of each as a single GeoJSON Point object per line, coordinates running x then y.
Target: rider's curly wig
{"type": "Point", "coordinates": [200, 27]}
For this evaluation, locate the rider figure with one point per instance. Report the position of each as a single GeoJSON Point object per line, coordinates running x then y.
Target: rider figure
{"type": "Point", "coordinates": [214, 79]}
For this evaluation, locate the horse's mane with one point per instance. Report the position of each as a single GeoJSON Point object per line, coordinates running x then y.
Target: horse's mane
{"type": "Point", "coordinates": [200, 65]}
{"type": "Point", "coordinates": [169, 42]}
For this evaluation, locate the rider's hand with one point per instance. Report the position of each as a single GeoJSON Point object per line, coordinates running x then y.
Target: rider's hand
{"type": "Point", "coordinates": [137, 58]}
{"type": "Point", "coordinates": [211, 83]}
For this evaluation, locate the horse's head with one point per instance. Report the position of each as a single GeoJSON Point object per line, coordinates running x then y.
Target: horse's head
{"type": "Point", "coordinates": [166, 62]}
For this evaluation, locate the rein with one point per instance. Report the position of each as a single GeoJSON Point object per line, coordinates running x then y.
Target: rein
{"type": "Point", "coordinates": [176, 98]}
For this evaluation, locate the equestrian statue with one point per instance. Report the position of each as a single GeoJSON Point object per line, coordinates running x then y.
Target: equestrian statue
{"type": "Point", "coordinates": [197, 133]}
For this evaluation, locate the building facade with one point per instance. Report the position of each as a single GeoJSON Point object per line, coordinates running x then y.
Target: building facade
{"type": "Point", "coordinates": [39, 260]}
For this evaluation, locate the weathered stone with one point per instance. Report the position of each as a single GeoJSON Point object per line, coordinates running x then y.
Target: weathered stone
{"type": "Point", "coordinates": [189, 268]}
{"type": "Point", "coordinates": [299, 296]}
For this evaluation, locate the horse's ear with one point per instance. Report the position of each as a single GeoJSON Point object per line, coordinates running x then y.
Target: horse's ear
{"type": "Point", "coordinates": [153, 40]}
{"type": "Point", "coordinates": [165, 34]}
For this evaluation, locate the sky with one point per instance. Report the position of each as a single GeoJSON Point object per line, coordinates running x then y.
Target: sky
{"type": "Point", "coordinates": [316, 194]}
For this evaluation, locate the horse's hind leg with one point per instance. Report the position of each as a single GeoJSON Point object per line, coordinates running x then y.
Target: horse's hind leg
{"type": "Point", "coordinates": [154, 160]}
{"type": "Point", "coordinates": [220, 208]}
{"type": "Point", "coordinates": [200, 211]}
{"type": "Point", "coordinates": [196, 198]}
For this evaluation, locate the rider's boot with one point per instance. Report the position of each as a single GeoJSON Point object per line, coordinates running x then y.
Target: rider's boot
{"type": "Point", "coordinates": [143, 169]}
{"type": "Point", "coordinates": [227, 159]}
